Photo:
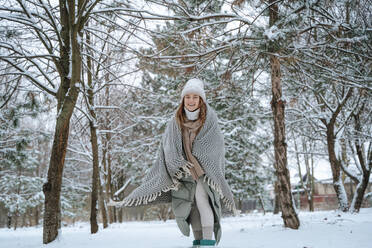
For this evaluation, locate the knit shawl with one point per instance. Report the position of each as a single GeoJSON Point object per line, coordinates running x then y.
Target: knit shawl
{"type": "Point", "coordinates": [171, 165]}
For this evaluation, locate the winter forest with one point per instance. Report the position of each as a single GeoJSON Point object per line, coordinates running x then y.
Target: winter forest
{"type": "Point", "coordinates": [87, 87]}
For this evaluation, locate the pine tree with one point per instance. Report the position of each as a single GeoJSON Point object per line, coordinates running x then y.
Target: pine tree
{"type": "Point", "coordinates": [20, 184]}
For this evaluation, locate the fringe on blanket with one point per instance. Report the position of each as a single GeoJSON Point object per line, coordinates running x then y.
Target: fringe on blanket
{"type": "Point", "coordinates": [230, 205]}
{"type": "Point", "coordinates": [183, 171]}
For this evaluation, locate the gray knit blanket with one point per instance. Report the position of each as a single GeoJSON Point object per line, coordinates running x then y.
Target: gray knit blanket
{"type": "Point", "coordinates": [171, 165]}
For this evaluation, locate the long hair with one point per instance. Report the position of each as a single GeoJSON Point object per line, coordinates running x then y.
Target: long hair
{"type": "Point", "coordinates": [181, 115]}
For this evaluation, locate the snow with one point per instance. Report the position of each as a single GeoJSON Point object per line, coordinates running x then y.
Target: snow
{"type": "Point", "coordinates": [273, 33]}
{"type": "Point", "coordinates": [323, 229]}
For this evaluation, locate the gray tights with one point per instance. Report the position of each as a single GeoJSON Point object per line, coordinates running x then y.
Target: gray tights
{"type": "Point", "coordinates": [201, 215]}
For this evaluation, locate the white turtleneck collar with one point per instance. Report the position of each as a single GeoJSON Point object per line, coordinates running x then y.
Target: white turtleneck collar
{"type": "Point", "coordinates": [192, 116]}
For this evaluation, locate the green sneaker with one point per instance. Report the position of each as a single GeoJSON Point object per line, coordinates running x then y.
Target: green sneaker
{"type": "Point", "coordinates": [207, 242]}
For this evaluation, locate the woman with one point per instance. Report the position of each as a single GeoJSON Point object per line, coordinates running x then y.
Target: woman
{"type": "Point", "coordinates": [189, 171]}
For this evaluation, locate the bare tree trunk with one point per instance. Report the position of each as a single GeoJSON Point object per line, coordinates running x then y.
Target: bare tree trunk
{"type": "Point", "coordinates": [120, 215]}
{"type": "Point", "coordinates": [94, 142]}
{"type": "Point", "coordinates": [289, 214]}
{"type": "Point", "coordinates": [109, 179]}
{"type": "Point", "coordinates": [24, 217]}
{"type": "Point", "coordinates": [364, 163]}
{"type": "Point", "coordinates": [107, 187]}
{"type": "Point", "coordinates": [312, 185]}
{"type": "Point", "coordinates": [94, 195]}
{"type": "Point", "coordinates": [336, 169]}
{"type": "Point", "coordinates": [30, 215]}
{"type": "Point", "coordinates": [262, 204]}
{"type": "Point", "coordinates": [356, 204]}
{"type": "Point", "coordinates": [66, 99]}
{"type": "Point", "coordinates": [109, 193]}
{"type": "Point", "coordinates": [333, 160]}
{"type": "Point", "coordinates": [121, 181]}
{"type": "Point", "coordinates": [115, 212]}
{"type": "Point", "coordinates": [16, 213]}
{"type": "Point", "coordinates": [9, 221]}
{"type": "Point", "coordinates": [303, 186]}
{"type": "Point", "coordinates": [276, 199]}
{"type": "Point", "coordinates": [310, 179]}
{"type": "Point", "coordinates": [102, 205]}
{"type": "Point", "coordinates": [36, 215]}
{"type": "Point", "coordinates": [345, 164]}
{"type": "Point", "coordinates": [52, 188]}
{"type": "Point", "coordinates": [15, 218]}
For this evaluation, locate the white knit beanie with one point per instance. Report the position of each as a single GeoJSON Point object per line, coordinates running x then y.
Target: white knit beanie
{"type": "Point", "coordinates": [195, 86]}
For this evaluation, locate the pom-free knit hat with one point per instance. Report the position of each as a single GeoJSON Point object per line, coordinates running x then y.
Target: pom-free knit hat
{"type": "Point", "coordinates": [195, 86]}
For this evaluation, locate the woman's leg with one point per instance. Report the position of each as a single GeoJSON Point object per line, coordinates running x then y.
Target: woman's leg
{"type": "Point", "coordinates": [195, 222]}
{"type": "Point", "coordinates": [205, 210]}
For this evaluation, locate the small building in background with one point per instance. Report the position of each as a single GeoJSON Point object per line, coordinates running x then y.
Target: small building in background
{"type": "Point", "coordinates": [324, 196]}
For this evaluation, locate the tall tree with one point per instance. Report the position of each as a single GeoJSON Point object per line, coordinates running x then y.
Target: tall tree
{"type": "Point", "coordinates": [56, 29]}
{"type": "Point", "coordinates": [94, 141]}
{"type": "Point", "coordinates": [331, 63]}
{"type": "Point", "coordinates": [20, 183]}
{"type": "Point", "coordinates": [289, 214]}
{"type": "Point", "coordinates": [360, 146]}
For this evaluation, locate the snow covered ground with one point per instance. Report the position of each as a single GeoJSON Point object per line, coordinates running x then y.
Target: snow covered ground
{"type": "Point", "coordinates": [326, 229]}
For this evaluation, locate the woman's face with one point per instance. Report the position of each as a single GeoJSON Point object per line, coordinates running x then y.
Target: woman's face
{"type": "Point", "coordinates": [191, 102]}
